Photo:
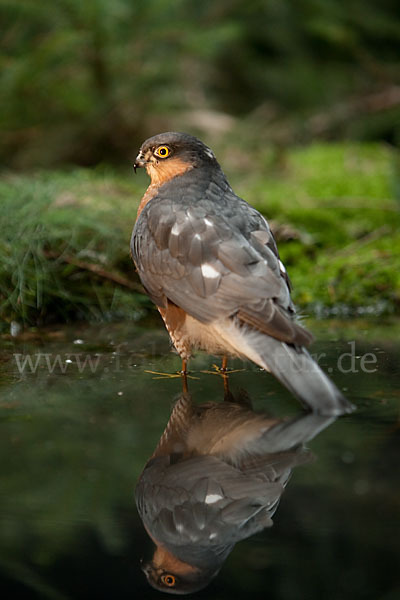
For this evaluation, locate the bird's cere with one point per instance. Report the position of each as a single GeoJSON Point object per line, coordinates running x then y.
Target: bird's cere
{"type": "Point", "coordinates": [209, 271]}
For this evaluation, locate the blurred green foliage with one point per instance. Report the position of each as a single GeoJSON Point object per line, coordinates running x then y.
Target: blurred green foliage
{"type": "Point", "coordinates": [64, 252]}
{"type": "Point", "coordinates": [84, 82]}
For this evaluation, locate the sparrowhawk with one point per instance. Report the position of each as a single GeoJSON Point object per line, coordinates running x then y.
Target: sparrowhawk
{"type": "Point", "coordinates": [209, 262]}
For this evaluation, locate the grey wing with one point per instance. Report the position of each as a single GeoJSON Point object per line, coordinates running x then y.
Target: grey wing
{"type": "Point", "coordinates": [214, 258]}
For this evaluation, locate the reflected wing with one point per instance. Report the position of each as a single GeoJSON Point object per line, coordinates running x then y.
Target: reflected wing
{"type": "Point", "coordinates": [204, 501]}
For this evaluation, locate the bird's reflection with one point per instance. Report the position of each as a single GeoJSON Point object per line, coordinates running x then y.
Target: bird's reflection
{"type": "Point", "coordinates": [215, 478]}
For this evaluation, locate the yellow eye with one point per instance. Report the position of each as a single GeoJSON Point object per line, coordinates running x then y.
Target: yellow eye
{"type": "Point", "coordinates": [162, 151]}
{"type": "Point", "coordinates": [168, 580]}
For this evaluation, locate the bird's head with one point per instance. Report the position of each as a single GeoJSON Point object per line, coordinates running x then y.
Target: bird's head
{"type": "Point", "coordinates": [167, 573]}
{"type": "Point", "coordinates": [167, 155]}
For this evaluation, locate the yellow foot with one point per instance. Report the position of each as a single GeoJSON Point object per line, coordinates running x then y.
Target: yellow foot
{"type": "Point", "coordinates": [222, 371]}
{"type": "Point", "coordinates": [170, 375]}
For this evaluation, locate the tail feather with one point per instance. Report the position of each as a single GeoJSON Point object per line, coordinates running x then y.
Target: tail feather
{"type": "Point", "coordinates": [292, 366]}
{"type": "Point", "coordinates": [304, 378]}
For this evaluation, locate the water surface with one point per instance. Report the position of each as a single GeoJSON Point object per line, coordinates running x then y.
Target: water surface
{"type": "Point", "coordinates": [81, 414]}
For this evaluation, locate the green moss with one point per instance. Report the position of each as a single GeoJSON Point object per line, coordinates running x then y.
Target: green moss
{"type": "Point", "coordinates": [339, 200]}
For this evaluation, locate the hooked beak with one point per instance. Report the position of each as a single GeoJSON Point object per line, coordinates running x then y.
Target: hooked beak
{"type": "Point", "coordinates": [145, 567]}
{"type": "Point", "coordinates": [139, 162]}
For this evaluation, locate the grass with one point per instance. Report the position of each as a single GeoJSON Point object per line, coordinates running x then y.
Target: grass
{"type": "Point", "coordinates": [65, 247]}
{"type": "Point", "coordinates": [335, 209]}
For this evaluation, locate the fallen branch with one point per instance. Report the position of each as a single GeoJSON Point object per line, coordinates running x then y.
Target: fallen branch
{"type": "Point", "coordinates": [372, 236]}
{"type": "Point", "coordinates": [343, 112]}
{"type": "Point", "coordinates": [96, 269]}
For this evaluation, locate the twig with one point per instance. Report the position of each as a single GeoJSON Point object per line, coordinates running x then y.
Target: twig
{"type": "Point", "coordinates": [93, 268]}
{"type": "Point", "coordinates": [342, 112]}
{"type": "Point", "coordinates": [366, 239]}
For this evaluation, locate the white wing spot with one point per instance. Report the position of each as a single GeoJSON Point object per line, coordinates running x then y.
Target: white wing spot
{"type": "Point", "coordinates": [208, 222]}
{"type": "Point", "coordinates": [209, 271]}
{"type": "Point", "coordinates": [197, 236]}
{"type": "Point", "coordinates": [175, 229]}
{"type": "Point", "coordinates": [209, 153]}
{"type": "Point", "coordinates": [212, 536]}
{"type": "Point", "coordinates": [211, 498]}
{"type": "Point", "coordinates": [282, 267]}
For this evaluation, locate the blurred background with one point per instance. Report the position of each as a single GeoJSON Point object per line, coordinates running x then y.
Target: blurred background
{"type": "Point", "coordinates": [299, 99]}
{"type": "Point", "coordinates": [86, 82]}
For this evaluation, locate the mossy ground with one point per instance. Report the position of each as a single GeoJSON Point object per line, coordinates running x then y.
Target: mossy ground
{"type": "Point", "coordinates": [335, 208]}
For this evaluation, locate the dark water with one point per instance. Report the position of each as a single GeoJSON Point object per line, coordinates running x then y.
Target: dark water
{"type": "Point", "coordinates": [75, 437]}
